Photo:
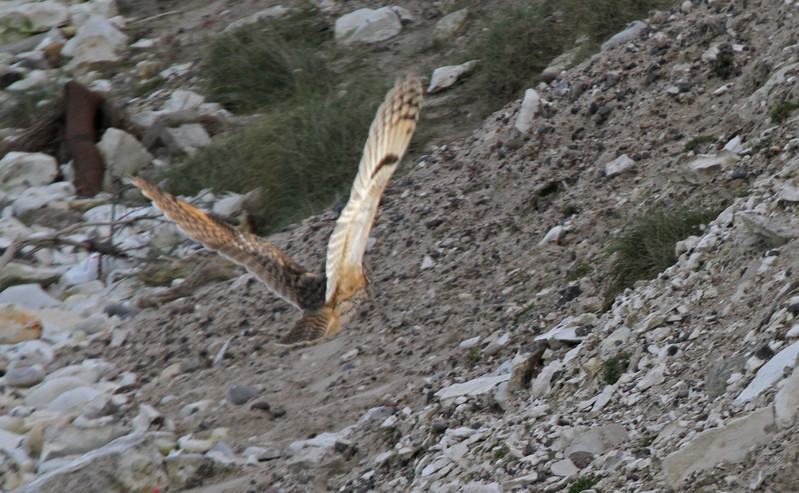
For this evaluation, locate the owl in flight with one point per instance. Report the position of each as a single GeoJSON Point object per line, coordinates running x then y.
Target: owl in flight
{"type": "Point", "coordinates": [327, 301]}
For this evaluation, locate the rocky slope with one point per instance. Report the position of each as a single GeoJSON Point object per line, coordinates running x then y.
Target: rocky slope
{"type": "Point", "coordinates": [477, 365]}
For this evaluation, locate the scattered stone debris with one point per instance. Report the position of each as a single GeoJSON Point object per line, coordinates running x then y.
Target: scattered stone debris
{"type": "Point", "coordinates": [482, 363]}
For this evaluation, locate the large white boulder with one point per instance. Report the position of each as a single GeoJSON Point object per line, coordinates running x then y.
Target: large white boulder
{"type": "Point", "coordinates": [27, 169]}
{"type": "Point", "coordinates": [367, 26]}
{"type": "Point", "coordinates": [97, 40]}
{"type": "Point", "coordinates": [633, 30]}
{"type": "Point", "coordinates": [123, 154]}
{"type": "Point", "coordinates": [450, 25]}
{"type": "Point", "coordinates": [81, 12]}
{"type": "Point", "coordinates": [21, 20]}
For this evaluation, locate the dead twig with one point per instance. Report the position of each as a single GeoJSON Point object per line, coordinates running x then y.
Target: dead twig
{"type": "Point", "coordinates": [58, 237]}
{"type": "Point", "coordinates": [157, 16]}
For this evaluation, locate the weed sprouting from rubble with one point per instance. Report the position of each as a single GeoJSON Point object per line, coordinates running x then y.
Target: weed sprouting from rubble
{"type": "Point", "coordinates": [645, 246]}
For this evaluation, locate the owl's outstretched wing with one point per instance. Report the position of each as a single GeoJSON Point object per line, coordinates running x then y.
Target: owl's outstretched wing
{"type": "Point", "coordinates": [389, 136]}
{"type": "Point", "coordinates": [281, 273]}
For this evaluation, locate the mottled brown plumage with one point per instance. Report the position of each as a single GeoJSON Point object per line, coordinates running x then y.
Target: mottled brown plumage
{"type": "Point", "coordinates": [326, 301]}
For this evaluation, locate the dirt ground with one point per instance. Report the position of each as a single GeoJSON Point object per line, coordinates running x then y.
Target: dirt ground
{"type": "Point", "coordinates": [477, 208]}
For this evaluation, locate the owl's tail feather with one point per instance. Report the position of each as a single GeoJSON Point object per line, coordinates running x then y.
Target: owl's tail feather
{"type": "Point", "coordinates": [312, 327]}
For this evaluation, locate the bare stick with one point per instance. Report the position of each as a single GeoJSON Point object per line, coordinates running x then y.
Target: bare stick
{"type": "Point", "coordinates": [157, 16]}
{"type": "Point", "coordinates": [58, 237]}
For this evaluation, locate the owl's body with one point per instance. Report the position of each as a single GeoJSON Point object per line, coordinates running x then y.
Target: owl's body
{"type": "Point", "coordinates": [327, 301]}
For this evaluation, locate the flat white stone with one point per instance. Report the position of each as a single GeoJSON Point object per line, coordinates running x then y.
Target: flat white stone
{"type": "Point", "coordinates": [615, 343]}
{"type": "Point", "coordinates": [704, 167]}
{"type": "Point", "coordinates": [186, 138]}
{"type": "Point", "coordinates": [619, 165]}
{"type": "Point", "coordinates": [72, 398]}
{"type": "Point", "coordinates": [728, 443]}
{"type": "Point", "coordinates": [786, 402]}
{"type": "Point", "coordinates": [444, 77]}
{"type": "Point", "coordinates": [267, 13]}
{"type": "Point", "coordinates": [450, 25]}
{"type": "Point", "coordinates": [28, 169]}
{"type": "Point", "coordinates": [566, 334]}
{"type": "Point", "coordinates": [64, 439]}
{"type": "Point", "coordinates": [47, 391]}
{"type": "Point", "coordinates": [633, 30]}
{"type": "Point", "coordinates": [9, 440]}
{"type": "Point", "coordinates": [565, 468]}
{"type": "Point", "coordinates": [597, 440]}
{"type": "Point", "coordinates": [132, 461]}
{"type": "Point", "coordinates": [790, 192]}
{"type": "Point", "coordinates": [183, 99]}
{"type": "Point", "coordinates": [477, 386]}
{"type": "Point", "coordinates": [769, 373]}
{"type": "Point", "coordinates": [655, 376]}
{"type": "Point", "coordinates": [553, 235]}
{"type": "Point", "coordinates": [734, 145]}
{"type": "Point", "coordinates": [542, 382]}
{"type": "Point", "coordinates": [469, 343]}
{"type": "Point", "coordinates": [28, 295]}
{"type": "Point", "coordinates": [36, 78]}
{"type": "Point", "coordinates": [479, 487]}
{"type": "Point", "coordinates": [367, 26]}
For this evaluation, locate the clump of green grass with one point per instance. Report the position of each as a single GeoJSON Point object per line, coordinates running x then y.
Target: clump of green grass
{"type": "Point", "coordinates": [782, 110]}
{"type": "Point", "coordinates": [20, 109]}
{"type": "Point", "coordinates": [302, 156]}
{"type": "Point", "coordinates": [569, 210]}
{"type": "Point", "coordinates": [517, 37]}
{"type": "Point", "coordinates": [724, 64]}
{"type": "Point", "coordinates": [521, 38]}
{"type": "Point", "coordinates": [644, 442]}
{"type": "Point", "coordinates": [474, 355]}
{"type": "Point", "coordinates": [580, 271]}
{"type": "Point", "coordinates": [615, 366]}
{"type": "Point", "coordinates": [501, 452]}
{"type": "Point", "coordinates": [646, 246]}
{"type": "Point", "coordinates": [147, 86]}
{"type": "Point", "coordinates": [583, 483]}
{"type": "Point", "coordinates": [162, 273]}
{"type": "Point", "coordinates": [268, 62]}
{"type": "Point", "coordinates": [302, 150]}
{"type": "Point", "coordinates": [696, 142]}
{"type": "Point", "coordinates": [521, 313]}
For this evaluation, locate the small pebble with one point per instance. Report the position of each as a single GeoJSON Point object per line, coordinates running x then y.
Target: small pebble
{"type": "Point", "coordinates": [239, 394]}
{"type": "Point", "coordinates": [260, 405]}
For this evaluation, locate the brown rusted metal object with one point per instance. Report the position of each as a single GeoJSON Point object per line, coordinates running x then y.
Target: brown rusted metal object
{"type": "Point", "coordinates": [83, 111]}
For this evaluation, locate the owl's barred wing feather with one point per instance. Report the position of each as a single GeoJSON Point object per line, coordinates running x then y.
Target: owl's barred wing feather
{"type": "Point", "coordinates": [389, 137]}
{"type": "Point", "coordinates": [326, 303]}
{"type": "Point", "coordinates": [282, 274]}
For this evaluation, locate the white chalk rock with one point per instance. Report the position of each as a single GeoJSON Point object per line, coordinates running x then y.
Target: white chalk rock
{"type": "Point", "coordinates": [367, 26]}
{"type": "Point", "coordinates": [444, 77]}
{"type": "Point", "coordinates": [97, 40]}
{"type": "Point", "coordinates": [27, 169]}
